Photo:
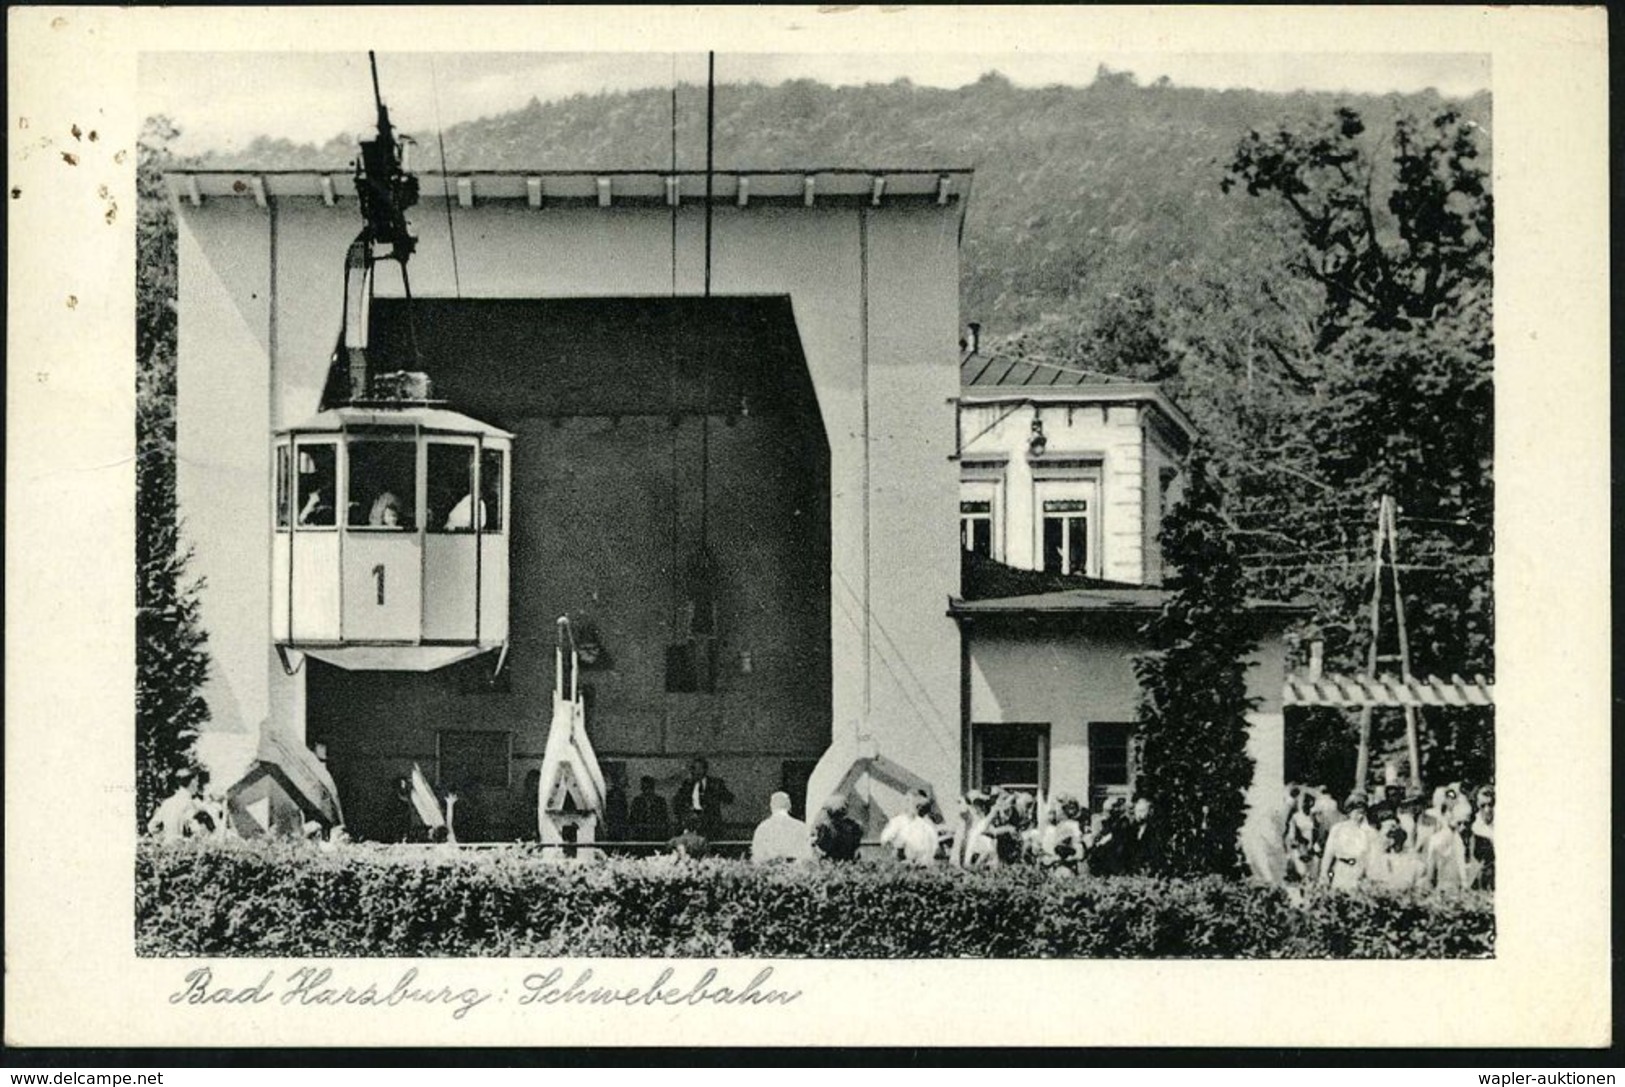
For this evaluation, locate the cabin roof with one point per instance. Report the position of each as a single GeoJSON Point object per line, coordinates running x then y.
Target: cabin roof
{"type": "Point", "coordinates": [420, 416]}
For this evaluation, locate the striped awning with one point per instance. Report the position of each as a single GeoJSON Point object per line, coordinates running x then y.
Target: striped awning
{"type": "Point", "coordinates": [1389, 690]}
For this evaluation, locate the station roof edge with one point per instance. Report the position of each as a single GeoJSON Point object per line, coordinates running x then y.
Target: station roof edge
{"type": "Point", "coordinates": [742, 186]}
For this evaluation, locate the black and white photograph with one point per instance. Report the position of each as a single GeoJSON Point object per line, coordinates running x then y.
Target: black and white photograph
{"type": "Point", "coordinates": [947, 502]}
{"type": "Point", "coordinates": [567, 500]}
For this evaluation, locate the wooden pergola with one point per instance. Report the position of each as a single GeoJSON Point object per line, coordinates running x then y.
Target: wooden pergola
{"type": "Point", "coordinates": [1388, 690]}
{"type": "Point", "coordinates": [1404, 691]}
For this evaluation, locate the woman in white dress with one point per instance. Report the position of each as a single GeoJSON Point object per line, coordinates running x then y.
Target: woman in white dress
{"type": "Point", "coordinates": [1347, 848]}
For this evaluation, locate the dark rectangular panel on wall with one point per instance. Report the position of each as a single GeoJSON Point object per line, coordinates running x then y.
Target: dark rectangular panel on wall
{"type": "Point", "coordinates": [473, 760]}
{"type": "Point", "coordinates": [503, 359]}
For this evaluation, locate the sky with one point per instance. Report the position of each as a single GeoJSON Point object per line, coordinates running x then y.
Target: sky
{"type": "Point", "coordinates": [222, 101]}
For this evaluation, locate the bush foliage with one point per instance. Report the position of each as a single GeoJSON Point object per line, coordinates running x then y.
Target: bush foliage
{"type": "Point", "coordinates": [290, 899]}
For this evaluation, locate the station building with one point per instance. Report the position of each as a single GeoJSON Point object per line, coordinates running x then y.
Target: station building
{"type": "Point", "coordinates": [728, 443]}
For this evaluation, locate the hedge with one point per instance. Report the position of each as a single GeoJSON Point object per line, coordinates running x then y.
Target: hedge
{"type": "Point", "coordinates": [291, 899]}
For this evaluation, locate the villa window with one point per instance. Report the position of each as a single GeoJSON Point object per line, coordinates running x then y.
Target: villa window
{"type": "Point", "coordinates": [1014, 756]}
{"type": "Point", "coordinates": [1111, 762]}
{"type": "Point", "coordinates": [981, 509]}
{"type": "Point", "coordinates": [1066, 512]}
{"type": "Point", "coordinates": [976, 526]}
{"type": "Point", "coordinates": [1066, 536]}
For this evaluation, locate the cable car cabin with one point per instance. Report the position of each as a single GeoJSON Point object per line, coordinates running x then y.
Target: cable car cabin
{"type": "Point", "coordinates": [382, 556]}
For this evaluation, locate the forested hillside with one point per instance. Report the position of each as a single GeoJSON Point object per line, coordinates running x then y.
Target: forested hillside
{"type": "Point", "coordinates": [1313, 286]}
{"type": "Point", "coordinates": [1080, 192]}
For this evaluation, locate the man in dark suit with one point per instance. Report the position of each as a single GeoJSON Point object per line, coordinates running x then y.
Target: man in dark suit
{"type": "Point", "coordinates": [650, 819]}
{"type": "Point", "coordinates": [699, 800]}
{"type": "Point", "coordinates": [1142, 854]}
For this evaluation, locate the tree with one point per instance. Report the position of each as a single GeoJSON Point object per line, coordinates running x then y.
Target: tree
{"type": "Point", "coordinates": [1195, 769]}
{"type": "Point", "coordinates": [171, 661]}
{"type": "Point", "coordinates": [1384, 271]}
{"type": "Point", "coordinates": [1403, 365]}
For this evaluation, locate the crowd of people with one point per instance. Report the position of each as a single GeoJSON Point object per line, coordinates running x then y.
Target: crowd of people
{"type": "Point", "coordinates": [1402, 840]}
{"type": "Point", "coordinates": [1399, 841]}
{"type": "Point", "coordinates": [996, 828]}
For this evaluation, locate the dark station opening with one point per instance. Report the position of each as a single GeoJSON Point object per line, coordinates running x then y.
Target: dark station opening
{"type": "Point", "coordinates": [670, 494]}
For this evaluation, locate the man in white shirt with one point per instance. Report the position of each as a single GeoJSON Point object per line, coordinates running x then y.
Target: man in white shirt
{"type": "Point", "coordinates": [911, 832]}
{"type": "Point", "coordinates": [461, 515]}
{"type": "Point", "coordinates": [172, 819]}
{"type": "Point", "coordinates": [781, 836]}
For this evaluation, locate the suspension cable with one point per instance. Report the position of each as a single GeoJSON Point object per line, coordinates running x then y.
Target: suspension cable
{"type": "Point", "coordinates": [445, 179]}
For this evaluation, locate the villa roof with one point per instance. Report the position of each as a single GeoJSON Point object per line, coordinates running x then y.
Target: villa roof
{"type": "Point", "coordinates": [990, 588]}
{"type": "Point", "coordinates": [1126, 600]}
{"type": "Point", "coordinates": [1004, 379]}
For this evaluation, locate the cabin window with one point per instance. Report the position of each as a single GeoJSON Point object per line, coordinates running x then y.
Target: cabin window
{"type": "Point", "coordinates": [383, 484]}
{"type": "Point", "coordinates": [1014, 756]}
{"type": "Point", "coordinates": [451, 488]}
{"type": "Point", "coordinates": [451, 479]}
{"type": "Point", "coordinates": [283, 497]}
{"type": "Point", "coordinates": [491, 473]}
{"type": "Point", "coordinates": [317, 487]}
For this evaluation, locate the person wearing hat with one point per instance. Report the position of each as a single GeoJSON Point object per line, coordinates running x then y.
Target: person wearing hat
{"type": "Point", "coordinates": [1397, 868]}
{"type": "Point", "coordinates": [1482, 846]}
{"type": "Point", "coordinates": [1379, 817]}
{"type": "Point", "coordinates": [1299, 843]}
{"type": "Point", "coordinates": [1348, 847]}
{"type": "Point", "coordinates": [174, 818]}
{"type": "Point", "coordinates": [911, 832]}
{"type": "Point", "coordinates": [1446, 853]}
{"type": "Point", "coordinates": [1005, 824]}
{"type": "Point", "coordinates": [1108, 853]}
{"type": "Point", "coordinates": [1409, 820]}
{"type": "Point", "coordinates": [972, 847]}
{"type": "Point", "coordinates": [1142, 850]}
{"type": "Point", "coordinates": [689, 842]}
{"type": "Point", "coordinates": [1327, 815]}
{"type": "Point", "coordinates": [781, 836]}
{"type": "Point", "coordinates": [836, 835]}
{"type": "Point", "coordinates": [1061, 841]}
{"type": "Point", "coordinates": [700, 799]}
